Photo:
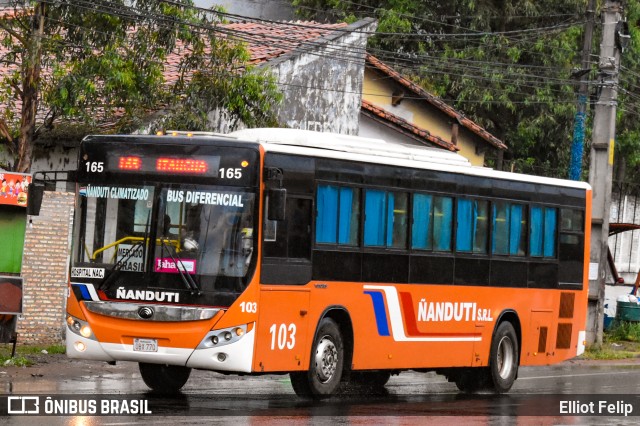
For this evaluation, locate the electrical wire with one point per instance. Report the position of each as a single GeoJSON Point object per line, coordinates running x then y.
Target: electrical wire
{"type": "Point", "coordinates": [465, 68]}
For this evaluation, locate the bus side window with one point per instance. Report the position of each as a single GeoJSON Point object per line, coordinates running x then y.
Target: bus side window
{"type": "Point", "coordinates": [509, 229]}
{"type": "Point", "coordinates": [472, 226]}
{"type": "Point", "coordinates": [337, 215]}
{"type": "Point", "coordinates": [385, 220]}
{"type": "Point", "coordinates": [432, 218]}
{"type": "Point", "coordinates": [542, 237]}
{"type": "Point", "coordinates": [291, 237]}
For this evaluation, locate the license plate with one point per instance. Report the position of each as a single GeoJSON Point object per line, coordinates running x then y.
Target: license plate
{"type": "Point", "coordinates": [145, 345]}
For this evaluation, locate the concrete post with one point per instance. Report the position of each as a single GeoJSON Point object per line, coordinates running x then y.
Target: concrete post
{"type": "Point", "coordinates": [601, 168]}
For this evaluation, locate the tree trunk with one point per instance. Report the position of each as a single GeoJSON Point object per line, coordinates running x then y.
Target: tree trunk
{"type": "Point", "coordinates": [30, 86]}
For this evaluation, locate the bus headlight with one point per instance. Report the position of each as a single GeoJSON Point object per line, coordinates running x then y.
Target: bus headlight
{"type": "Point", "coordinates": [80, 327]}
{"type": "Point", "coordinates": [225, 336]}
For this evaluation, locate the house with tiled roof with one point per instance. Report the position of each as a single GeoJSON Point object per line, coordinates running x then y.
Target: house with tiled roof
{"type": "Point", "coordinates": [398, 110]}
{"type": "Point", "coordinates": [319, 69]}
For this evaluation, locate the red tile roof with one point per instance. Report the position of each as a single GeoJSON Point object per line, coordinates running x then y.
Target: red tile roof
{"type": "Point", "coordinates": [374, 62]}
{"type": "Point", "coordinates": [265, 41]}
{"type": "Point", "coordinates": [398, 123]}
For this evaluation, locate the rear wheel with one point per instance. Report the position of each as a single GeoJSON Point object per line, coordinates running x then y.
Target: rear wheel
{"type": "Point", "coordinates": [325, 370]}
{"type": "Point", "coordinates": [503, 365]}
{"type": "Point", "coordinates": [503, 361]}
{"type": "Point", "coordinates": [164, 378]}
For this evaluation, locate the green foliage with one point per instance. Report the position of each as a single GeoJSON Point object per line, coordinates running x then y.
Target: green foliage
{"type": "Point", "coordinates": [607, 353]}
{"type": "Point", "coordinates": [624, 331]}
{"type": "Point", "coordinates": [621, 341]}
{"type": "Point", "coordinates": [25, 354]}
{"type": "Point", "coordinates": [506, 63]}
{"type": "Point", "coordinates": [106, 62]}
{"type": "Point", "coordinates": [18, 361]}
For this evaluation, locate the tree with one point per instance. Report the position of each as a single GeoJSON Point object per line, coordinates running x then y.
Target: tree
{"type": "Point", "coordinates": [507, 63]}
{"type": "Point", "coordinates": [105, 62]}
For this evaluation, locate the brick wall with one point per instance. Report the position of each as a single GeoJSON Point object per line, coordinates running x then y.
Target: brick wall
{"type": "Point", "coordinates": [44, 270]}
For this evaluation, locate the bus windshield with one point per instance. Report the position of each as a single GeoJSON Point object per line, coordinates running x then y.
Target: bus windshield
{"type": "Point", "coordinates": [196, 238]}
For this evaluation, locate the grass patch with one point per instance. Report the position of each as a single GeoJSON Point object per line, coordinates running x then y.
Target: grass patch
{"type": "Point", "coordinates": [624, 331]}
{"type": "Point", "coordinates": [25, 354]}
{"type": "Point", "coordinates": [621, 341]}
{"type": "Point", "coordinates": [53, 349]}
{"type": "Point", "coordinates": [17, 361]}
{"type": "Point", "coordinates": [606, 351]}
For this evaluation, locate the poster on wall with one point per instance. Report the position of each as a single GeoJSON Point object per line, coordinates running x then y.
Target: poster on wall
{"type": "Point", "coordinates": [13, 188]}
{"type": "Point", "coordinates": [10, 307]}
{"type": "Point", "coordinates": [10, 295]}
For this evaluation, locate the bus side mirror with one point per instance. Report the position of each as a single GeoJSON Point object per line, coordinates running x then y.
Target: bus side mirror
{"type": "Point", "coordinates": [35, 191]}
{"type": "Point", "coordinates": [277, 203]}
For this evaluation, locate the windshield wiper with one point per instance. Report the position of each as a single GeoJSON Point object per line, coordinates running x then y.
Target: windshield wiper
{"type": "Point", "coordinates": [188, 281]}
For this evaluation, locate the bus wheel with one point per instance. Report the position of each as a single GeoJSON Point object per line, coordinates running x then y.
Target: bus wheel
{"type": "Point", "coordinates": [503, 361]}
{"type": "Point", "coordinates": [325, 370]}
{"type": "Point", "coordinates": [164, 378]}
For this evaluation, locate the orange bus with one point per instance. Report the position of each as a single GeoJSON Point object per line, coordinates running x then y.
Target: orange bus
{"type": "Point", "coordinates": [334, 259]}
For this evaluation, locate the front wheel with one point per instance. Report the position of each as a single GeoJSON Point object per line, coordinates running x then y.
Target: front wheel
{"type": "Point", "coordinates": [164, 378]}
{"type": "Point", "coordinates": [325, 370]}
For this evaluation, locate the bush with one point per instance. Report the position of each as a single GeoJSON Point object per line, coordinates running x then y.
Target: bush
{"type": "Point", "coordinates": [624, 331]}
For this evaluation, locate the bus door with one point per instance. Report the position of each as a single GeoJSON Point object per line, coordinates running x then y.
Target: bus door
{"type": "Point", "coordinates": [282, 329]}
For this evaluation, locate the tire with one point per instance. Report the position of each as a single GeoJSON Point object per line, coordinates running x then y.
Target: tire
{"type": "Point", "coordinates": [503, 359]}
{"type": "Point", "coordinates": [322, 380]}
{"type": "Point", "coordinates": [164, 378]}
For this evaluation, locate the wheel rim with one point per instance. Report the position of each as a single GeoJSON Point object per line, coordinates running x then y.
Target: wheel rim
{"type": "Point", "coordinates": [505, 357]}
{"type": "Point", "coordinates": [326, 359]}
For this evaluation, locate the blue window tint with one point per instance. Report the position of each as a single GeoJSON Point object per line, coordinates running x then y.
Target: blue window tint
{"type": "Point", "coordinates": [422, 214]}
{"type": "Point", "coordinates": [337, 215]}
{"type": "Point", "coordinates": [385, 222]}
{"type": "Point", "coordinates": [345, 225]}
{"type": "Point", "coordinates": [442, 221]}
{"type": "Point", "coordinates": [473, 225]}
{"type": "Point", "coordinates": [509, 228]}
{"type": "Point", "coordinates": [543, 231]}
{"type": "Point", "coordinates": [375, 217]}
{"type": "Point", "coordinates": [480, 226]}
{"type": "Point", "coordinates": [397, 220]}
{"type": "Point", "coordinates": [389, 219]}
{"type": "Point", "coordinates": [518, 226]}
{"type": "Point", "coordinates": [327, 212]}
{"type": "Point", "coordinates": [432, 218]}
{"type": "Point", "coordinates": [501, 224]}
{"type": "Point", "coordinates": [536, 231]}
{"type": "Point", "coordinates": [550, 232]}
{"type": "Point", "coordinates": [464, 227]}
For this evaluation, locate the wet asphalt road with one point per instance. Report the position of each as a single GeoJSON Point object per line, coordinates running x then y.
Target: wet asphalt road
{"type": "Point", "coordinates": [541, 395]}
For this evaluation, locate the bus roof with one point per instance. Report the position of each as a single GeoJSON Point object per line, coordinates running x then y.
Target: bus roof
{"type": "Point", "coordinates": [378, 151]}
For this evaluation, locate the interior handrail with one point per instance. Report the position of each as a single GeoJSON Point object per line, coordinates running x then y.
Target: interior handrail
{"type": "Point", "coordinates": [176, 243]}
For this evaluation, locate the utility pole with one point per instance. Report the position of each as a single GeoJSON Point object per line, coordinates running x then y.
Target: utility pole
{"type": "Point", "coordinates": [577, 147]}
{"type": "Point", "coordinates": [600, 172]}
